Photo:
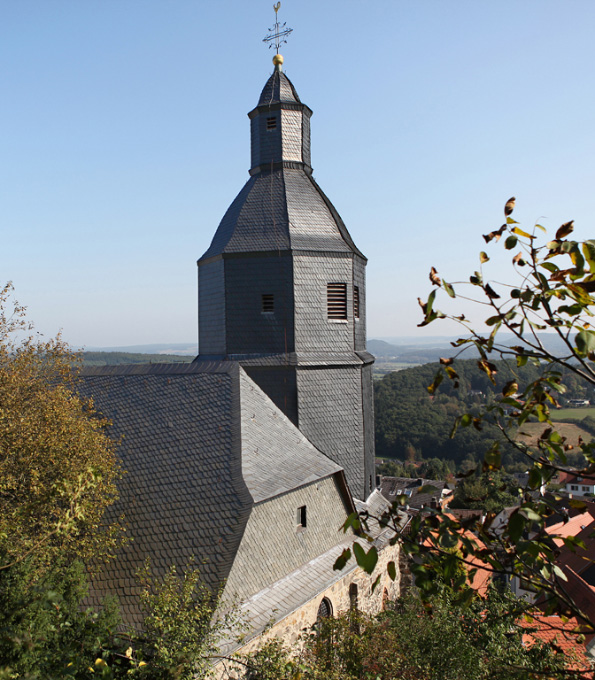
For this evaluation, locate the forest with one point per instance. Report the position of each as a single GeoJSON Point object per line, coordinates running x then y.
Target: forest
{"type": "Point", "coordinates": [412, 424]}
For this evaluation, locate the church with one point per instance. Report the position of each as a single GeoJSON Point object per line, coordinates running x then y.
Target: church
{"type": "Point", "coordinates": [250, 458]}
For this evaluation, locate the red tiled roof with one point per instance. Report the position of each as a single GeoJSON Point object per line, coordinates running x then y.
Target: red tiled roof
{"type": "Point", "coordinates": [552, 630]}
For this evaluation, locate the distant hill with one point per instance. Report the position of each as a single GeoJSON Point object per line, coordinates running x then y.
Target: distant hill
{"type": "Point", "coordinates": [116, 358]}
{"type": "Point", "coordinates": [181, 349]}
{"type": "Point", "coordinates": [423, 350]}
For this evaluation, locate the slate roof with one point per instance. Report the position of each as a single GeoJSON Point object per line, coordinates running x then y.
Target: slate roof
{"type": "Point", "coordinates": [201, 443]}
{"type": "Point", "coordinates": [276, 457]}
{"type": "Point", "coordinates": [278, 88]}
{"type": "Point", "coordinates": [419, 491]}
{"type": "Point", "coordinates": [280, 211]}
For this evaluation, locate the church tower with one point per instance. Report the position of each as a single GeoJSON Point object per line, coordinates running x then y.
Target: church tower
{"type": "Point", "coordinates": [282, 291]}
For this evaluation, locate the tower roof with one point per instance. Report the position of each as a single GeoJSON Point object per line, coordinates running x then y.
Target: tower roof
{"type": "Point", "coordinates": [278, 89]}
{"type": "Point", "coordinates": [281, 210]}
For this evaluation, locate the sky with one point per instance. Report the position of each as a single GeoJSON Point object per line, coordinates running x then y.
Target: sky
{"type": "Point", "coordinates": [125, 138]}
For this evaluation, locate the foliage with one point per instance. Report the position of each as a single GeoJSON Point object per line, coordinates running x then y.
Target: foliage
{"type": "Point", "coordinates": [409, 418]}
{"type": "Point", "coordinates": [57, 465]}
{"type": "Point", "coordinates": [490, 491]}
{"type": "Point", "coordinates": [553, 290]}
{"type": "Point", "coordinates": [116, 358]}
{"type": "Point", "coordinates": [434, 468]}
{"type": "Point", "coordinates": [182, 629]}
{"type": "Point", "coordinates": [58, 475]}
{"type": "Point", "coordinates": [438, 640]}
{"type": "Point", "coordinates": [44, 631]}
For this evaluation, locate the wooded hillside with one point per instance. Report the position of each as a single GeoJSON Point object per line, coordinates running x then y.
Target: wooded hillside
{"type": "Point", "coordinates": [412, 424]}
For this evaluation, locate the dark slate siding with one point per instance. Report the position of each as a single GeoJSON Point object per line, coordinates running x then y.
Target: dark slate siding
{"type": "Point", "coordinates": [280, 385]}
{"type": "Point", "coordinates": [228, 224]}
{"type": "Point", "coordinates": [248, 329]}
{"type": "Point", "coordinates": [211, 305]}
{"type": "Point", "coordinates": [368, 411]}
{"type": "Point", "coordinates": [262, 222]}
{"type": "Point", "coordinates": [278, 88]}
{"type": "Point", "coordinates": [183, 495]}
{"type": "Point", "coordinates": [266, 144]}
{"type": "Point", "coordinates": [330, 412]}
{"type": "Point", "coordinates": [311, 224]}
{"type": "Point", "coordinates": [313, 331]}
{"type": "Point", "coordinates": [306, 139]}
{"type": "Point", "coordinates": [359, 280]}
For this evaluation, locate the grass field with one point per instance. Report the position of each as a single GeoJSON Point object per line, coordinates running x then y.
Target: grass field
{"type": "Point", "coordinates": [574, 413]}
{"type": "Point", "coordinates": [530, 432]}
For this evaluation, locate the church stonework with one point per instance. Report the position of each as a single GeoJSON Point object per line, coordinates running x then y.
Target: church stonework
{"type": "Point", "coordinates": [282, 291]}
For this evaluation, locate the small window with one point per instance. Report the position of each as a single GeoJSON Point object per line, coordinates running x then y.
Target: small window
{"type": "Point", "coordinates": [272, 123]}
{"type": "Point", "coordinates": [336, 296]}
{"type": "Point", "coordinates": [585, 488]}
{"type": "Point", "coordinates": [325, 610]}
{"type": "Point", "coordinates": [301, 517]}
{"type": "Point", "coordinates": [268, 304]}
{"type": "Point", "coordinates": [573, 487]}
{"type": "Point", "coordinates": [353, 596]}
{"type": "Point", "coordinates": [356, 302]}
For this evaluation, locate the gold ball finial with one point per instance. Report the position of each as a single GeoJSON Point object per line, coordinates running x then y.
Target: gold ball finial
{"type": "Point", "coordinates": [278, 59]}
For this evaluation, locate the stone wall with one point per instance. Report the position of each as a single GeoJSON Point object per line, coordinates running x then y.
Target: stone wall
{"type": "Point", "coordinates": [291, 627]}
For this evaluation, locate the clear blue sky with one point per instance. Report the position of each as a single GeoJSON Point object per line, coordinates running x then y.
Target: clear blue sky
{"type": "Point", "coordinates": [125, 137]}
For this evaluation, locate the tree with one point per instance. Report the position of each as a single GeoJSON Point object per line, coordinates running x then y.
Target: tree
{"type": "Point", "coordinates": [57, 465]}
{"type": "Point", "coordinates": [57, 477]}
{"type": "Point", "coordinates": [491, 491]}
{"type": "Point", "coordinates": [553, 290]}
{"type": "Point", "coordinates": [440, 640]}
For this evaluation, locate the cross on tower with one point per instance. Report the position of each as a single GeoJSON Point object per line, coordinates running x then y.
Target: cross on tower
{"type": "Point", "coordinates": [278, 33]}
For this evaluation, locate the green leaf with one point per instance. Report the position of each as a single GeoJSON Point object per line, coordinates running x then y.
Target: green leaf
{"type": "Point", "coordinates": [493, 320]}
{"type": "Point", "coordinates": [342, 560]}
{"type": "Point", "coordinates": [585, 342]}
{"type": "Point", "coordinates": [352, 522]}
{"type": "Point", "coordinates": [535, 479]}
{"type": "Point", "coordinates": [516, 526]}
{"type": "Point", "coordinates": [510, 242]}
{"type": "Point", "coordinates": [493, 459]}
{"type": "Point", "coordinates": [366, 560]}
{"type": "Point", "coordinates": [392, 570]}
{"type": "Point", "coordinates": [449, 289]}
{"type": "Point", "coordinates": [589, 253]}
{"type": "Point", "coordinates": [448, 541]}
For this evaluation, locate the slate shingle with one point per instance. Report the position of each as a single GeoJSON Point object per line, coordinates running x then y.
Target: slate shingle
{"type": "Point", "coordinates": [200, 444]}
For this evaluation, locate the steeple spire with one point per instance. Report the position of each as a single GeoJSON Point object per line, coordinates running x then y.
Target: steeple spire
{"type": "Point", "coordinates": [276, 37]}
{"type": "Point", "coordinates": [282, 288]}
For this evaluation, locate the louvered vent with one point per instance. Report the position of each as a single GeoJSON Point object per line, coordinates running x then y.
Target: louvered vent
{"type": "Point", "coordinates": [268, 304]}
{"type": "Point", "coordinates": [271, 123]}
{"type": "Point", "coordinates": [336, 296]}
{"type": "Point", "coordinates": [356, 302]}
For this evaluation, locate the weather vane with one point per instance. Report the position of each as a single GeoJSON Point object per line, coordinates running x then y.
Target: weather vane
{"type": "Point", "coordinates": [278, 33]}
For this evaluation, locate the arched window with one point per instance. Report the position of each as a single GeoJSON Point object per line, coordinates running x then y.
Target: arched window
{"type": "Point", "coordinates": [325, 610]}
{"type": "Point", "coordinates": [353, 596]}
{"type": "Point", "coordinates": [384, 599]}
